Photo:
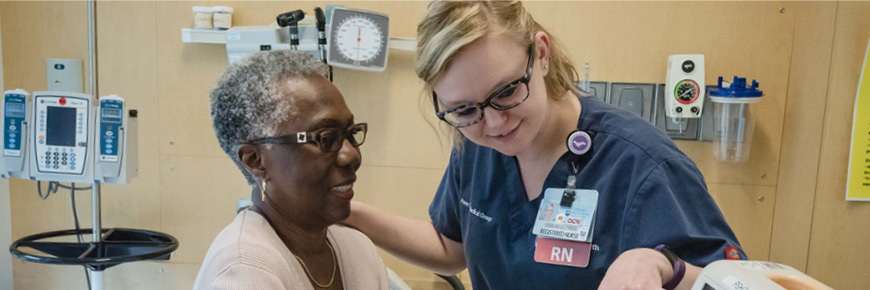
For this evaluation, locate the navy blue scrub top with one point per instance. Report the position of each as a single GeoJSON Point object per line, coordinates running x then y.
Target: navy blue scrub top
{"type": "Point", "coordinates": [650, 193]}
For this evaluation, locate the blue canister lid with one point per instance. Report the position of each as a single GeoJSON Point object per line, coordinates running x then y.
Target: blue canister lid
{"type": "Point", "coordinates": [737, 89]}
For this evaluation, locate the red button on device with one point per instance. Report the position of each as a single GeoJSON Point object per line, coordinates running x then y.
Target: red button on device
{"type": "Point", "coordinates": [62, 101]}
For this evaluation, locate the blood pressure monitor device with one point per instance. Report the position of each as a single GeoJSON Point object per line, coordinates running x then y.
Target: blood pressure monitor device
{"type": "Point", "coordinates": [684, 87]}
{"type": "Point", "coordinates": [61, 138]}
{"type": "Point", "coordinates": [358, 39]}
{"type": "Point", "coordinates": [115, 139]}
{"type": "Point", "coordinates": [754, 275]}
{"type": "Point", "coordinates": [16, 107]}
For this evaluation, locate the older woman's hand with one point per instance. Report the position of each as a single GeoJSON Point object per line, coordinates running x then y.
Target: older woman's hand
{"type": "Point", "coordinates": [637, 269]}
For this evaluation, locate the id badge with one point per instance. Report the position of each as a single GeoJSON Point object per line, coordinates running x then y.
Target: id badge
{"type": "Point", "coordinates": [574, 223]}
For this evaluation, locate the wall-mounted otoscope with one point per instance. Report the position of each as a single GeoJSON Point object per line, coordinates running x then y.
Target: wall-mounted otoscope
{"type": "Point", "coordinates": [320, 22]}
{"type": "Point", "coordinates": [291, 20]}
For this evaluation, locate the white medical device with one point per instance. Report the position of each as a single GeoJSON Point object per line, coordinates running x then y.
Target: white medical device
{"type": "Point", "coordinates": [684, 87]}
{"type": "Point", "coordinates": [116, 138]}
{"type": "Point", "coordinates": [68, 139]}
{"type": "Point", "coordinates": [754, 275]}
{"type": "Point", "coordinates": [61, 137]}
{"type": "Point", "coordinates": [16, 105]}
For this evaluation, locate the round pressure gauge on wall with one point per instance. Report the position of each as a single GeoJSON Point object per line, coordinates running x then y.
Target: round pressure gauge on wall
{"type": "Point", "coordinates": [686, 91]}
{"type": "Point", "coordinates": [358, 39]}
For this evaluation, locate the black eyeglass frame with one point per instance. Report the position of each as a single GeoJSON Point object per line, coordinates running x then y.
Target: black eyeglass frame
{"type": "Point", "coordinates": [525, 79]}
{"type": "Point", "coordinates": [314, 137]}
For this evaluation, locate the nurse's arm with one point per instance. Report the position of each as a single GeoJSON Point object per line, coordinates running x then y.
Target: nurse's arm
{"type": "Point", "coordinates": [414, 241]}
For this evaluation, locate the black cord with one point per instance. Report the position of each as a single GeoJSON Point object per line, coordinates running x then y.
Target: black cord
{"type": "Point", "coordinates": [52, 188]}
{"type": "Point", "coordinates": [71, 186]}
{"type": "Point", "coordinates": [72, 196]}
{"type": "Point", "coordinates": [87, 277]}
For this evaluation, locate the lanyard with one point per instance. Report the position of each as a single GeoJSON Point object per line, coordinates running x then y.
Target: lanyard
{"type": "Point", "coordinates": [579, 143]}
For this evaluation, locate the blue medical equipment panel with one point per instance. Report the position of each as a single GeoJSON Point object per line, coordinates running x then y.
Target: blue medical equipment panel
{"type": "Point", "coordinates": [110, 122]}
{"type": "Point", "coordinates": [14, 114]}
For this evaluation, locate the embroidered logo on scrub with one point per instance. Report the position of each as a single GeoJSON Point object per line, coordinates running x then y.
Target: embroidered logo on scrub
{"type": "Point", "coordinates": [474, 211]}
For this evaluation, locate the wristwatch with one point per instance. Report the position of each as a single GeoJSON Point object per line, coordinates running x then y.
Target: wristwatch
{"type": "Point", "coordinates": [678, 264]}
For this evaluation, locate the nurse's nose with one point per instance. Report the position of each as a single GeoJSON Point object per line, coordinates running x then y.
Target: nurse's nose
{"type": "Point", "coordinates": [493, 117]}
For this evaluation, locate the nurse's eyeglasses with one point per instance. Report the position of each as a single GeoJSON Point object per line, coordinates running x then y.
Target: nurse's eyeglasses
{"type": "Point", "coordinates": [506, 97]}
{"type": "Point", "coordinates": [328, 139]}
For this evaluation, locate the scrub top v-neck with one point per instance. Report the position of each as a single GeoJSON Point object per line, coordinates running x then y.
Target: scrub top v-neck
{"type": "Point", "coordinates": [649, 193]}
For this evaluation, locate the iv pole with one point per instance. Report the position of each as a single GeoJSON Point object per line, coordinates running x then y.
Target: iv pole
{"type": "Point", "coordinates": [96, 276]}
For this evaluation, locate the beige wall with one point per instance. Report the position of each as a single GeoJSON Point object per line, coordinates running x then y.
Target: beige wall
{"type": "Point", "coordinates": [786, 204]}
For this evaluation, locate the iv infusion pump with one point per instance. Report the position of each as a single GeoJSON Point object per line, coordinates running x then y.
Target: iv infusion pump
{"type": "Point", "coordinates": [68, 137]}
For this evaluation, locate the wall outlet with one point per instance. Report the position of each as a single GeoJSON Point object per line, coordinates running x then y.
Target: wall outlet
{"type": "Point", "coordinates": [64, 75]}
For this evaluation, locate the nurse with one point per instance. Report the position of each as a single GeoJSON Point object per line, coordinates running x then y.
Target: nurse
{"type": "Point", "coordinates": [523, 135]}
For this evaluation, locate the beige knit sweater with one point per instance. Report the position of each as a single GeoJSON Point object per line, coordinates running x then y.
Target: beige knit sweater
{"type": "Point", "coordinates": [248, 254]}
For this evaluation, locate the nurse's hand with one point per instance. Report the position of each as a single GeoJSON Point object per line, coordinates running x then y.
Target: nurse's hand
{"type": "Point", "coordinates": [638, 269]}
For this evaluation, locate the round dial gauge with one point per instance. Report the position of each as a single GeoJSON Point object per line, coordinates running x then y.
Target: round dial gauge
{"type": "Point", "coordinates": [686, 91]}
{"type": "Point", "coordinates": [358, 39]}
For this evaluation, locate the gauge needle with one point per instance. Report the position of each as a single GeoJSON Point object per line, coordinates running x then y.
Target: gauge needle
{"type": "Point", "coordinates": [685, 94]}
{"type": "Point", "coordinates": [358, 40]}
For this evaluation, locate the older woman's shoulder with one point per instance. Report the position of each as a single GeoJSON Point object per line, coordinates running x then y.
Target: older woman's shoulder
{"type": "Point", "coordinates": [342, 236]}
{"type": "Point", "coordinates": [359, 257]}
{"type": "Point", "coordinates": [247, 248]}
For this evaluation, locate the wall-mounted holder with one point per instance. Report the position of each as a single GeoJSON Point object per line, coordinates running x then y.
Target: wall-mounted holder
{"type": "Point", "coordinates": [633, 97]}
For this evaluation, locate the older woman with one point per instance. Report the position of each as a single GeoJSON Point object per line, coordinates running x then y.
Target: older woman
{"type": "Point", "coordinates": [293, 137]}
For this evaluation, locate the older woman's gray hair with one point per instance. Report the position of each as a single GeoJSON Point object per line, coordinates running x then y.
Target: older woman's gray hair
{"type": "Point", "coordinates": [245, 103]}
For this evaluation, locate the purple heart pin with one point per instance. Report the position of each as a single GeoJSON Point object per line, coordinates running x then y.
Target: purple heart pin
{"type": "Point", "coordinates": [579, 142]}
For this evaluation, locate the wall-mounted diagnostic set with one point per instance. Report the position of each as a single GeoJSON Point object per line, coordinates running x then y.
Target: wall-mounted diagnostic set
{"type": "Point", "coordinates": [347, 38]}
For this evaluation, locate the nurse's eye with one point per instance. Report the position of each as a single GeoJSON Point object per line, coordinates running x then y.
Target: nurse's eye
{"type": "Point", "coordinates": [507, 93]}
{"type": "Point", "coordinates": [465, 111]}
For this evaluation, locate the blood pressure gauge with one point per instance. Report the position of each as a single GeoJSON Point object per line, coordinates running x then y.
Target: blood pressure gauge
{"type": "Point", "coordinates": [358, 39]}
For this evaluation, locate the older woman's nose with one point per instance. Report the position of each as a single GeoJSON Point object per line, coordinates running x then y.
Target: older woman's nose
{"type": "Point", "coordinates": [349, 155]}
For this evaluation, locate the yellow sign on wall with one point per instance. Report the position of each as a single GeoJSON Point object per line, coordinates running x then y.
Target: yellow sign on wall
{"type": "Point", "coordinates": [858, 183]}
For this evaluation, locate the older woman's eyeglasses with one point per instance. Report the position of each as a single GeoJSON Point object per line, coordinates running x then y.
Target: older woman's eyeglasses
{"type": "Point", "coordinates": [506, 97]}
{"type": "Point", "coordinates": [328, 139]}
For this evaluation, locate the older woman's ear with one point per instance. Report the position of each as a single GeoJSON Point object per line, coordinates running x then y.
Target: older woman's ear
{"type": "Point", "coordinates": [252, 159]}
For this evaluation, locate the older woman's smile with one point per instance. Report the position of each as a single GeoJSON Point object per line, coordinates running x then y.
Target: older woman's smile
{"type": "Point", "coordinates": [345, 189]}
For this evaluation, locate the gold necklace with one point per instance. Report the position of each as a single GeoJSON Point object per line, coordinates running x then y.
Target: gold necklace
{"type": "Point", "coordinates": [334, 266]}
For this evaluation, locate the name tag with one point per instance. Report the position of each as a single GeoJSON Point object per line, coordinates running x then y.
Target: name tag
{"type": "Point", "coordinates": [562, 252]}
{"type": "Point", "coordinates": [574, 223]}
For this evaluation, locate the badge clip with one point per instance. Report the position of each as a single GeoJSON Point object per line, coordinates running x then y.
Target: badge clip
{"type": "Point", "coordinates": [568, 196]}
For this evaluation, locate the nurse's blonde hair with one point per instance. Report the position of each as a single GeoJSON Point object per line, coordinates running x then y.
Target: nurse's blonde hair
{"type": "Point", "coordinates": [448, 26]}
